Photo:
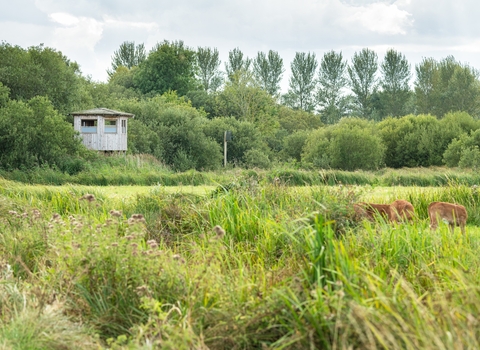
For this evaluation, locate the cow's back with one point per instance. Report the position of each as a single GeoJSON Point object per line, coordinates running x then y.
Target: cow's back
{"type": "Point", "coordinates": [402, 209]}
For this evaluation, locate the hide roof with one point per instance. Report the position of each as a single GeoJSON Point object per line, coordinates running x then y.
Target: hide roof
{"type": "Point", "coordinates": [103, 111]}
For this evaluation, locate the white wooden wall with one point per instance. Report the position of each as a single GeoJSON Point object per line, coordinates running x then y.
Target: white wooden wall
{"type": "Point", "coordinates": [100, 140]}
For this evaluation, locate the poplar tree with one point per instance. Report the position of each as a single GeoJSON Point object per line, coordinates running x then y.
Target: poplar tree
{"type": "Point", "coordinates": [128, 55]}
{"type": "Point", "coordinates": [236, 62]}
{"type": "Point", "coordinates": [394, 83]}
{"type": "Point", "coordinates": [302, 82]}
{"type": "Point", "coordinates": [209, 74]}
{"type": "Point", "coordinates": [363, 81]}
{"type": "Point", "coordinates": [332, 80]}
{"type": "Point", "coordinates": [268, 70]}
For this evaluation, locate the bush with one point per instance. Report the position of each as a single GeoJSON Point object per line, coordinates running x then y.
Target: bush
{"type": "Point", "coordinates": [34, 133]}
{"type": "Point", "coordinates": [356, 147]}
{"type": "Point", "coordinates": [255, 158]}
{"type": "Point", "coordinates": [351, 144]}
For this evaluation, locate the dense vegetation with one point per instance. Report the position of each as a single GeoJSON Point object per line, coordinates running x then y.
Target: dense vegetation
{"type": "Point", "coordinates": [267, 254]}
{"type": "Point", "coordinates": [336, 114]}
{"type": "Point", "coordinates": [244, 267]}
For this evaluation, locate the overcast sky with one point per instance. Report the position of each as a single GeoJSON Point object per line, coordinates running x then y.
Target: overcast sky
{"type": "Point", "coordinates": [88, 31]}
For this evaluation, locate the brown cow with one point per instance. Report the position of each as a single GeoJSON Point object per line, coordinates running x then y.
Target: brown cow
{"type": "Point", "coordinates": [453, 214]}
{"type": "Point", "coordinates": [370, 210]}
{"type": "Point", "coordinates": [402, 210]}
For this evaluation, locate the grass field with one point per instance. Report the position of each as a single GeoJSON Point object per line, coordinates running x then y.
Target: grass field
{"type": "Point", "coordinates": [245, 267]}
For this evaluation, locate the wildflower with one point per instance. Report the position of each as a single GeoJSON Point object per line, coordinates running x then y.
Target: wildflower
{"type": "Point", "coordinates": [152, 243]}
{"type": "Point", "coordinates": [142, 290]}
{"type": "Point", "coordinates": [116, 213]}
{"type": "Point", "coordinates": [36, 213]}
{"type": "Point", "coordinates": [219, 231]}
{"type": "Point", "coordinates": [88, 197]}
{"type": "Point", "coordinates": [134, 245]}
{"type": "Point", "coordinates": [56, 216]}
{"type": "Point", "coordinates": [114, 244]}
{"type": "Point", "coordinates": [129, 237]}
{"type": "Point", "coordinates": [12, 212]}
{"type": "Point", "coordinates": [178, 258]}
{"type": "Point", "coordinates": [108, 222]}
{"type": "Point", "coordinates": [136, 218]}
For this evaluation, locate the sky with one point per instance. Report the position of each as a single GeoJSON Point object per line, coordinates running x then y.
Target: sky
{"type": "Point", "coordinates": [89, 32]}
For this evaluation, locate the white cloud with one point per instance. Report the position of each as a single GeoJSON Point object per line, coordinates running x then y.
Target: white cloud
{"type": "Point", "coordinates": [63, 18]}
{"type": "Point", "coordinates": [76, 33]}
{"type": "Point", "coordinates": [115, 22]}
{"type": "Point", "coordinates": [379, 18]}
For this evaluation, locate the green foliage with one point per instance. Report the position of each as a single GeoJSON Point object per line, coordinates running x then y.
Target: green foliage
{"type": "Point", "coordinates": [208, 73]}
{"type": "Point", "coordinates": [255, 158]}
{"type": "Point", "coordinates": [363, 80]}
{"type": "Point", "coordinates": [356, 146]}
{"type": "Point", "coordinates": [255, 265]}
{"type": "Point", "coordinates": [40, 71]}
{"type": "Point", "coordinates": [293, 120]}
{"type": "Point", "coordinates": [463, 151]}
{"type": "Point", "coordinates": [332, 80]}
{"type": "Point", "coordinates": [395, 84]}
{"type": "Point", "coordinates": [293, 145]}
{"type": "Point", "coordinates": [301, 91]}
{"type": "Point", "coordinates": [316, 150]}
{"type": "Point", "coordinates": [247, 102]}
{"type": "Point", "coordinates": [169, 66]}
{"type": "Point", "coordinates": [172, 130]}
{"type": "Point", "coordinates": [4, 95]}
{"type": "Point", "coordinates": [414, 140]}
{"type": "Point", "coordinates": [128, 55]}
{"type": "Point", "coordinates": [33, 133]}
{"type": "Point", "coordinates": [245, 137]}
{"type": "Point", "coordinates": [268, 70]}
{"type": "Point", "coordinates": [446, 86]}
{"type": "Point", "coordinates": [236, 63]}
{"type": "Point", "coordinates": [350, 145]}
{"type": "Point", "coordinates": [123, 76]}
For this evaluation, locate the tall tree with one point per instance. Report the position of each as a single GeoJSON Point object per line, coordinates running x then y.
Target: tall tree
{"type": "Point", "coordinates": [245, 101]}
{"type": "Point", "coordinates": [33, 133]}
{"type": "Point", "coordinates": [236, 63]}
{"type": "Point", "coordinates": [128, 55]}
{"type": "Point", "coordinates": [40, 71]}
{"type": "Point", "coordinates": [331, 81]}
{"type": "Point", "coordinates": [394, 83]}
{"type": "Point", "coordinates": [302, 82]}
{"type": "Point", "coordinates": [426, 73]}
{"type": "Point", "coordinates": [268, 71]}
{"type": "Point", "coordinates": [209, 74]}
{"type": "Point", "coordinates": [363, 81]}
{"type": "Point", "coordinates": [447, 86]}
{"type": "Point", "coordinates": [169, 66]}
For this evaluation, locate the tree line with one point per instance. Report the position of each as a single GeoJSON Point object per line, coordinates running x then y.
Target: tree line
{"type": "Point", "coordinates": [362, 114]}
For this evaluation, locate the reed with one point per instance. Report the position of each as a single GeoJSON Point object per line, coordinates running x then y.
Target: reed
{"type": "Point", "coordinates": [252, 265]}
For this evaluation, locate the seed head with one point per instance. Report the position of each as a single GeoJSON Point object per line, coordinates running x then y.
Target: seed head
{"type": "Point", "coordinates": [219, 231]}
{"type": "Point", "coordinates": [88, 197]}
{"type": "Point", "coordinates": [116, 213]}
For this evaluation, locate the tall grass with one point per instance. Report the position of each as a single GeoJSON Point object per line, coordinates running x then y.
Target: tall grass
{"type": "Point", "coordinates": [146, 170]}
{"type": "Point", "coordinates": [251, 266]}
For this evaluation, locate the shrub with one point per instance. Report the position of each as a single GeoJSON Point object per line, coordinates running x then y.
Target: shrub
{"type": "Point", "coordinates": [255, 158]}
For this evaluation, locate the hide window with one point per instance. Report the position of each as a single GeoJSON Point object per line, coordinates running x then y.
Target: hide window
{"type": "Point", "coordinates": [124, 126]}
{"type": "Point", "coordinates": [110, 126]}
{"type": "Point", "coordinates": [89, 126]}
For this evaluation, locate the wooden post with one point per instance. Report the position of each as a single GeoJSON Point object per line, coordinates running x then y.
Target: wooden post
{"type": "Point", "coordinates": [225, 149]}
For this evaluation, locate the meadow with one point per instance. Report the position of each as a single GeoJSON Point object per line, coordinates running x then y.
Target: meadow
{"type": "Point", "coordinates": [246, 266]}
